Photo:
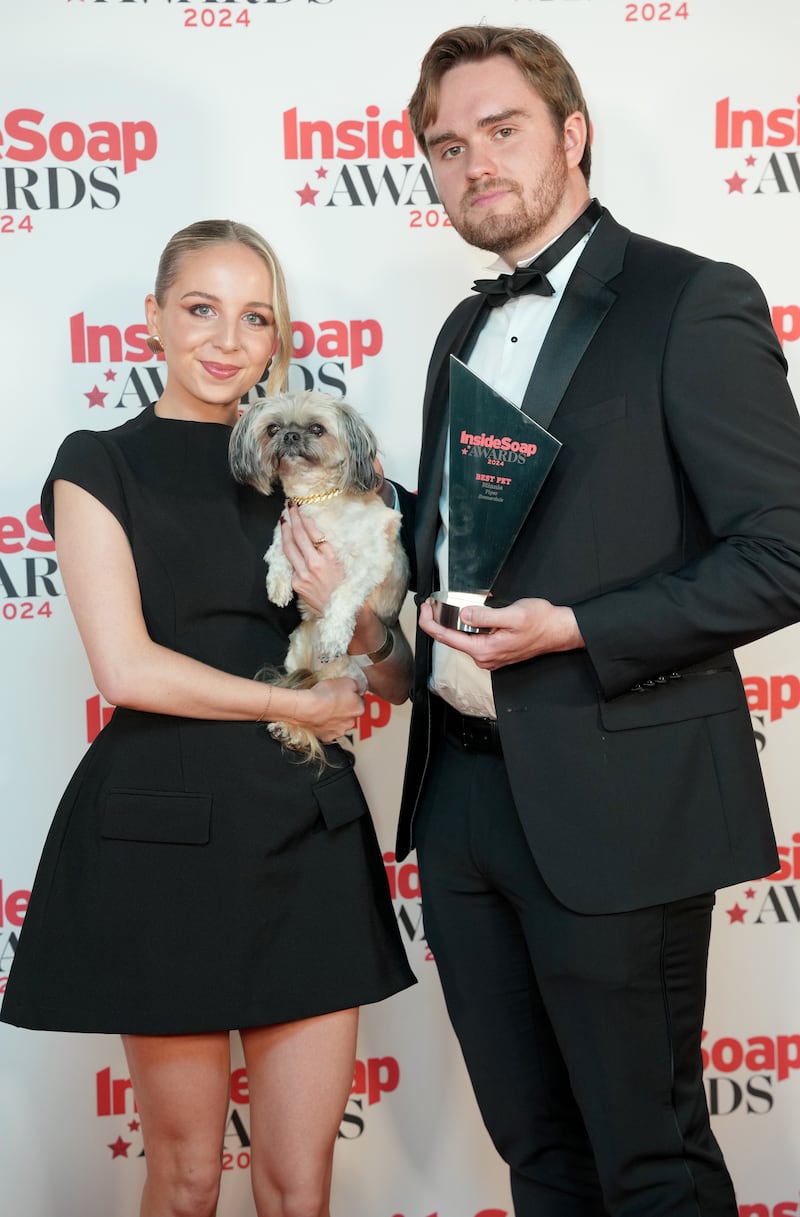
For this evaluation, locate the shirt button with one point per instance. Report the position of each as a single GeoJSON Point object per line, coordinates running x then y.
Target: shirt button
{"type": "Point", "coordinates": [513, 339]}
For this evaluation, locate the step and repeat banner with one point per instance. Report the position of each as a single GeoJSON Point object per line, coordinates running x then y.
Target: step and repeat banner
{"type": "Point", "coordinates": [124, 120]}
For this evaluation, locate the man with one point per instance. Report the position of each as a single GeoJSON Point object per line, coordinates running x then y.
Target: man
{"type": "Point", "coordinates": [583, 777]}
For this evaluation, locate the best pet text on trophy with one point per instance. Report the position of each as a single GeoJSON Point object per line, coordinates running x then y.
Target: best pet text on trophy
{"type": "Point", "coordinates": [499, 460]}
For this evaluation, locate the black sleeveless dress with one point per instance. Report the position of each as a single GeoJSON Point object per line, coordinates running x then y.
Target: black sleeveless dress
{"type": "Point", "coordinates": [196, 878]}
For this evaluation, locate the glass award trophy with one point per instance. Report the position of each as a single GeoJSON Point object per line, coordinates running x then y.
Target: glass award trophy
{"type": "Point", "coordinates": [499, 460]}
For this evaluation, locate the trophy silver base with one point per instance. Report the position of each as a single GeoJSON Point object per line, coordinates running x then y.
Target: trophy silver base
{"type": "Point", "coordinates": [447, 608]}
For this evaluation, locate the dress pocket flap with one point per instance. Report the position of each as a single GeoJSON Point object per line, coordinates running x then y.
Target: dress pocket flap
{"type": "Point", "coordinates": [340, 798]}
{"type": "Point", "coordinates": [691, 695]}
{"type": "Point", "coordinates": [163, 817]}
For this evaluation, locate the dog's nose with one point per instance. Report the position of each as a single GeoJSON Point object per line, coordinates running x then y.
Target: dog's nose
{"type": "Point", "coordinates": [292, 437]}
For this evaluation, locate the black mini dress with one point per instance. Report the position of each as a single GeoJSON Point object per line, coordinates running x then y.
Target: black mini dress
{"type": "Point", "coordinates": [196, 877]}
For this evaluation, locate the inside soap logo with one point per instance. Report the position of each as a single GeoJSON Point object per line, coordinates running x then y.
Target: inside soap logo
{"type": "Point", "coordinates": [761, 146]}
{"type": "Point", "coordinates": [741, 1074]}
{"type": "Point", "coordinates": [373, 1079]}
{"type": "Point", "coordinates": [98, 714]}
{"type": "Point", "coordinates": [404, 889]}
{"type": "Point", "coordinates": [29, 578]}
{"type": "Point", "coordinates": [770, 698]}
{"type": "Point", "coordinates": [13, 905]}
{"type": "Point", "coordinates": [368, 160]}
{"type": "Point", "coordinates": [325, 352]}
{"type": "Point", "coordinates": [784, 1208]}
{"type": "Point", "coordinates": [773, 900]}
{"type": "Point", "coordinates": [115, 1106]}
{"type": "Point", "coordinates": [118, 370]}
{"type": "Point", "coordinates": [210, 14]}
{"type": "Point", "coordinates": [52, 162]}
{"type": "Point", "coordinates": [196, 4]}
{"type": "Point", "coordinates": [482, 1213]}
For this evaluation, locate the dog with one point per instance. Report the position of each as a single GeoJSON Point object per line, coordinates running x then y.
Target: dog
{"type": "Point", "coordinates": [321, 452]}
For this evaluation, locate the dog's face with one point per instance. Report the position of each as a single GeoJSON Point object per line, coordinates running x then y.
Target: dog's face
{"type": "Point", "coordinates": [307, 442]}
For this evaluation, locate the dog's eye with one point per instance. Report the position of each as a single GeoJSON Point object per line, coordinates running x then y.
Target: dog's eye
{"type": "Point", "coordinates": [273, 429]}
{"type": "Point", "coordinates": [316, 429]}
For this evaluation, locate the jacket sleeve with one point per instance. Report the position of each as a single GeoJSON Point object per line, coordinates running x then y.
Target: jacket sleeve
{"type": "Point", "coordinates": [406, 504]}
{"type": "Point", "coordinates": [735, 432]}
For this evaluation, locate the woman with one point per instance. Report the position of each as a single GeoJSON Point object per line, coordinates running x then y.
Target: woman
{"type": "Point", "coordinates": [197, 879]}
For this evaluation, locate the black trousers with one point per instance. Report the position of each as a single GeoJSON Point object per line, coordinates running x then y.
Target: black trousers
{"type": "Point", "coordinates": [581, 1033]}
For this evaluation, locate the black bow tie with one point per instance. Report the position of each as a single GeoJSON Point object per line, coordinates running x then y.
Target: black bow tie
{"type": "Point", "coordinates": [533, 278]}
{"type": "Point", "coordinates": [506, 287]}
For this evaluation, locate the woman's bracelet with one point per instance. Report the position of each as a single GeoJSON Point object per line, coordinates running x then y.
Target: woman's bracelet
{"type": "Point", "coordinates": [264, 715]}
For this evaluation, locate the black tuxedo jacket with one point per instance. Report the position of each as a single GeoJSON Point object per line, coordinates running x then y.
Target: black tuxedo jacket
{"type": "Point", "coordinates": [671, 524]}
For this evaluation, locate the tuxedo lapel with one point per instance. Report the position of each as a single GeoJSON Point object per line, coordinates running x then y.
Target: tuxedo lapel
{"type": "Point", "coordinates": [586, 301]}
{"type": "Point", "coordinates": [456, 336]}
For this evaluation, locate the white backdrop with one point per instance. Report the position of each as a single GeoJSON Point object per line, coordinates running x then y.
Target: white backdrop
{"type": "Point", "coordinates": [122, 121]}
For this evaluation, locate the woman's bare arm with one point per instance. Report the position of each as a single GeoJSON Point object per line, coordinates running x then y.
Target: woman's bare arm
{"type": "Point", "coordinates": [132, 670]}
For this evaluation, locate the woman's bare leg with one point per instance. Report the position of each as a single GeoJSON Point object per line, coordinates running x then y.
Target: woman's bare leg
{"type": "Point", "coordinates": [300, 1076]}
{"type": "Point", "coordinates": [182, 1089]}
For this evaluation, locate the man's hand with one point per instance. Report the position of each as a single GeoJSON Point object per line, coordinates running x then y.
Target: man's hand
{"type": "Point", "coordinates": [520, 631]}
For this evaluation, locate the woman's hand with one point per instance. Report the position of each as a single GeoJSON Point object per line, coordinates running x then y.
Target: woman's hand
{"type": "Point", "coordinates": [330, 709]}
{"type": "Point", "coordinates": [317, 569]}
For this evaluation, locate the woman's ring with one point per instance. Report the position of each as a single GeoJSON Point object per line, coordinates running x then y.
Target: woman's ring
{"type": "Point", "coordinates": [319, 541]}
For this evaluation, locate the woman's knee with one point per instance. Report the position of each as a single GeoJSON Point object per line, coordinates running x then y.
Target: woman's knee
{"type": "Point", "coordinates": [185, 1186]}
{"type": "Point", "coordinates": [291, 1197]}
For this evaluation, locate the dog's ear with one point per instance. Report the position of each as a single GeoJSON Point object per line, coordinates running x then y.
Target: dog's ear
{"type": "Point", "coordinates": [244, 454]}
{"type": "Point", "coordinates": [362, 448]}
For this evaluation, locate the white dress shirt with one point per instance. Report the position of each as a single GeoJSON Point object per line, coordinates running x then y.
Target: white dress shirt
{"type": "Point", "coordinates": [504, 355]}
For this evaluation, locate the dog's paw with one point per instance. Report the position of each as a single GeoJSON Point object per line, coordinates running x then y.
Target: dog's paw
{"type": "Point", "coordinates": [300, 740]}
{"type": "Point", "coordinates": [279, 731]}
{"type": "Point", "coordinates": [279, 575]}
{"type": "Point", "coordinates": [279, 579]}
{"type": "Point", "coordinates": [279, 589]}
{"type": "Point", "coordinates": [328, 657]}
{"type": "Point", "coordinates": [290, 735]}
{"type": "Point", "coordinates": [333, 637]}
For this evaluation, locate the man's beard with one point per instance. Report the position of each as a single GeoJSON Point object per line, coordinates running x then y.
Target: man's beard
{"type": "Point", "coordinates": [519, 228]}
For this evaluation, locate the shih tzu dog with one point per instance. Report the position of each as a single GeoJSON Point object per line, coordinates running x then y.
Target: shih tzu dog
{"type": "Point", "coordinates": [321, 452]}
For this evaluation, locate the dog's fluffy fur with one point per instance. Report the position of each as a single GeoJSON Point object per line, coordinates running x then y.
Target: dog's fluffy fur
{"type": "Point", "coordinates": [309, 444]}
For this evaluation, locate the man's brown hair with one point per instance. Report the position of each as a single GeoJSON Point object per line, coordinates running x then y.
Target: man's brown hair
{"type": "Point", "coordinates": [538, 58]}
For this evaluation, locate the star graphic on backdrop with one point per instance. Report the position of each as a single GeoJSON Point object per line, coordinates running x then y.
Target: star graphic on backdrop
{"type": "Point", "coordinates": [465, 451]}
{"type": "Point", "coordinates": [96, 397]}
{"type": "Point", "coordinates": [307, 195]}
{"type": "Point", "coordinates": [750, 893]}
{"type": "Point", "coordinates": [134, 1125]}
{"type": "Point", "coordinates": [736, 914]}
{"type": "Point", "coordinates": [110, 374]}
{"type": "Point", "coordinates": [119, 1148]}
{"type": "Point", "coordinates": [750, 160]}
{"type": "Point", "coordinates": [735, 184]}
{"type": "Point", "coordinates": [322, 172]}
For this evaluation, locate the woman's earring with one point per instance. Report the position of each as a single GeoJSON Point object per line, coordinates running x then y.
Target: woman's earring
{"type": "Point", "coordinates": [155, 344]}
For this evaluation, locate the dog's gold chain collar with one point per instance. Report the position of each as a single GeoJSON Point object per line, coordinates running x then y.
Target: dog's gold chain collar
{"type": "Point", "coordinates": [316, 498]}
